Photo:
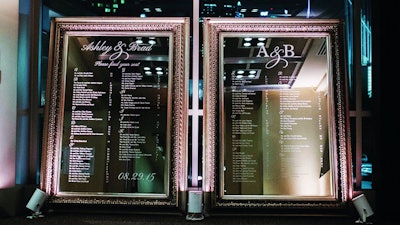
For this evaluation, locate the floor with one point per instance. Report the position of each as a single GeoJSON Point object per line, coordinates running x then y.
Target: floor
{"type": "Point", "coordinates": [149, 219]}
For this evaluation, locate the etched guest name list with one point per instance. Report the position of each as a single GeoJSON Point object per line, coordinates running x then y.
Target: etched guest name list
{"type": "Point", "coordinates": [275, 134]}
{"type": "Point", "coordinates": [115, 115]}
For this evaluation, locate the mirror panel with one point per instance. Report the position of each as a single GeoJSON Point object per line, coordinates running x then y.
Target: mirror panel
{"type": "Point", "coordinates": [275, 122]}
{"type": "Point", "coordinates": [117, 111]}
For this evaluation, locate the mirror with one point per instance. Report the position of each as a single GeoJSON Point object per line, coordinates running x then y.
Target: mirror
{"type": "Point", "coordinates": [276, 118]}
{"type": "Point", "coordinates": [116, 111]}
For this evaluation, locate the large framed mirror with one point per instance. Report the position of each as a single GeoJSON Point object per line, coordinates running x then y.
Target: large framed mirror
{"type": "Point", "coordinates": [116, 112]}
{"type": "Point", "coordinates": [275, 114]}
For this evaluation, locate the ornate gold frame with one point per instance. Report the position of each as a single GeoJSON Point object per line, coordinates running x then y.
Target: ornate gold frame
{"type": "Point", "coordinates": [177, 31]}
{"type": "Point", "coordinates": [217, 34]}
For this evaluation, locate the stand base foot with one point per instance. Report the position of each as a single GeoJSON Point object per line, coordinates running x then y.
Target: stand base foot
{"type": "Point", "coordinates": [360, 221]}
{"type": "Point", "coordinates": [194, 216]}
{"type": "Point", "coordinates": [35, 215]}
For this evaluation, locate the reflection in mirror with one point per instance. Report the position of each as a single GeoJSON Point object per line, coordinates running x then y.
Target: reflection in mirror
{"type": "Point", "coordinates": [115, 122]}
{"type": "Point", "coordinates": [275, 114]}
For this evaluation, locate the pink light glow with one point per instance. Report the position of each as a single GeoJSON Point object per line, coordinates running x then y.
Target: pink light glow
{"type": "Point", "coordinates": [7, 167]}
